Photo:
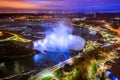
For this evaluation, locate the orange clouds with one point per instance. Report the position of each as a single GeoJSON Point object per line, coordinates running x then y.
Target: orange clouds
{"type": "Point", "coordinates": [17, 4]}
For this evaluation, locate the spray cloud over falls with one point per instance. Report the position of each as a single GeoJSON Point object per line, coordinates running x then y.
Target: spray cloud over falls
{"type": "Point", "coordinates": [60, 39]}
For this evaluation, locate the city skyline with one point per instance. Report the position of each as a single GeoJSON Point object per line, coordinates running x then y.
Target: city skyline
{"type": "Point", "coordinates": [56, 5]}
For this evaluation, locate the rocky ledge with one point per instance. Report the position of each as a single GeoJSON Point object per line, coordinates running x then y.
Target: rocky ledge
{"type": "Point", "coordinates": [14, 49]}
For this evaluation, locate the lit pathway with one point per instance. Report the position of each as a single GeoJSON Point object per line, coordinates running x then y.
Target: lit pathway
{"type": "Point", "coordinates": [15, 37]}
{"type": "Point", "coordinates": [49, 71]}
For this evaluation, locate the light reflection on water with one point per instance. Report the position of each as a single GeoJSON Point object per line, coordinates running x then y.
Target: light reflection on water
{"type": "Point", "coordinates": [51, 57]}
{"type": "Point", "coordinates": [37, 58]}
{"type": "Point", "coordinates": [38, 61]}
{"type": "Point", "coordinates": [111, 76]}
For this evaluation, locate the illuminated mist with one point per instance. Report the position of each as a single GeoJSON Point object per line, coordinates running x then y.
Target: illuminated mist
{"type": "Point", "coordinates": [60, 39]}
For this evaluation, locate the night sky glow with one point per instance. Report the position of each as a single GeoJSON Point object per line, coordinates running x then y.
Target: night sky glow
{"type": "Point", "coordinates": [73, 5]}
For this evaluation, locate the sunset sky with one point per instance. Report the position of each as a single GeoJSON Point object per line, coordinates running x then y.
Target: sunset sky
{"type": "Point", "coordinates": [78, 5]}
